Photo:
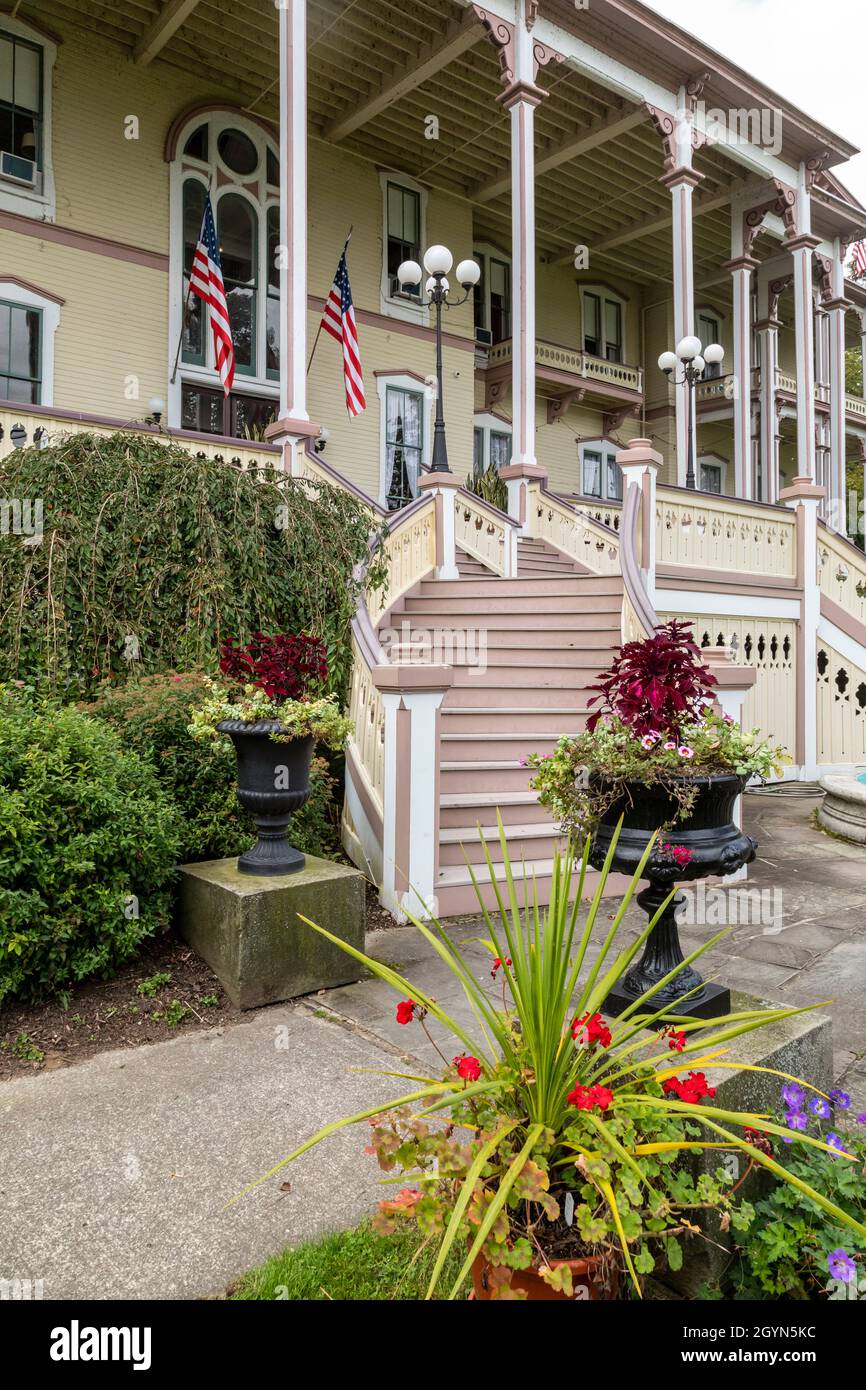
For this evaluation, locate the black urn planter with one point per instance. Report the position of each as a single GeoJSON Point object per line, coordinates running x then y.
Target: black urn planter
{"type": "Point", "coordinates": [717, 847]}
{"type": "Point", "coordinates": [273, 783]}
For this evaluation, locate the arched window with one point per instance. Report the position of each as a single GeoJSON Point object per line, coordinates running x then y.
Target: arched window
{"type": "Point", "coordinates": [236, 160]}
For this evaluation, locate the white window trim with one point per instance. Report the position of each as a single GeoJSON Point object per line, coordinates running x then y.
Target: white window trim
{"type": "Point", "coordinates": [403, 382]}
{"type": "Point", "coordinates": [14, 293]}
{"type": "Point", "coordinates": [398, 307]}
{"type": "Point", "coordinates": [715, 461]}
{"type": "Point", "coordinates": [28, 202]}
{"type": "Point", "coordinates": [254, 385]}
{"type": "Point", "coordinates": [490, 424]}
{"type": "Point", "coordinates": [597, 446]}
{"type": "Point", "coordinates": [602, 292]}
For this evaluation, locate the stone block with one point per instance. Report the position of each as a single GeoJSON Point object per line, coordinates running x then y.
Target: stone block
{"type": "Point", "coordinates": [247, 928]}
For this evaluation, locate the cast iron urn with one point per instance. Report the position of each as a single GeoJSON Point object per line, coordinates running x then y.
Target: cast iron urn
{"type": "Point", "coordinates": [716, 847]}
{"type": "Point", "coordinates": [273, 783]}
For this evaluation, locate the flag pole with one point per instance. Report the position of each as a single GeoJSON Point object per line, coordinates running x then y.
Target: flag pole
{"type": "Point", "coordinates": [185, 309]}
{"type": "Point", "coordinates": [319, 329]}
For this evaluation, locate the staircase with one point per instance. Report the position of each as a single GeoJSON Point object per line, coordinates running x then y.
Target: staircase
{"type": "Point", "coordinates": [533, 645]}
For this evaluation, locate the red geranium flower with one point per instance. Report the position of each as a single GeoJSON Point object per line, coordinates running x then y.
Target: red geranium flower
{"type": "Point", "coordinates": [588, 1097]}
{"type": "Point", "coordinates": [469, 1068]}
{"type": "Point", "coordinates": [498, 963]}
{"type": "Point", "coordinates": [692, 1089]}
{"type": "Point", "coordinates": [406, 1010]}
{"type": "Point", "coordinates": [594, 1030]}
{"type": "Point", "coordinates": [676, 1040]}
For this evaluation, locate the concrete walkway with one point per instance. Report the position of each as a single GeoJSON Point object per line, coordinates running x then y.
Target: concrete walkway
{"type": "Point", "coordinates": [115, 1174]}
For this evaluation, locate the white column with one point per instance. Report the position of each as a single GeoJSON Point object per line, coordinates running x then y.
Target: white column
{"type": "Point", "coordinates": [768, 333]}
{"type": "Point", "coordinates": [801, 249]}
{"type": "Point", "coordinates": [804, 498]}
{"type": "Point", "coordinates": [682, 180]}
{"type": "Point", "coordinates": [741, 268]}
{"type": "Point", "coordinates": [294, 426]}
{"type": "Point", "coordinates": [411, 698]}
{"type": "Point", "coordinates": [521, 99]}
{"type": "Point", "coordinates": [444, 487]}
{"type": "Point", "coordinates": [836, 309]}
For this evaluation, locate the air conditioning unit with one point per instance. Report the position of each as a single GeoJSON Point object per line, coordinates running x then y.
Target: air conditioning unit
{"type": "Point", "coordinates": [483, 337]}
{"type": "Point", "coordinates": [17, 169]}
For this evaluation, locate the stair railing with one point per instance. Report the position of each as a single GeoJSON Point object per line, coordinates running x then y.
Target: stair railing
{"type": "Point", "coordinates": [570, 530]}
{"type": "Point", "coordinates": [486, 533]}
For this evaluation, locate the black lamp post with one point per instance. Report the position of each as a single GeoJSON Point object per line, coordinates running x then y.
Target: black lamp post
{"type": "Point", "coordinates": [694, 360]}
{"type": "Point", "coordinates": [437, 262]}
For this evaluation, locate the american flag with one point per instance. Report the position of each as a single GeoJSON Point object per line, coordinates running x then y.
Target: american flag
{"type": "Point", "coordinates": [206, 280]}
{"type": "Point", "coordinates": [859, 254]}
{"type": "Point", "coordinates": [339, 320]}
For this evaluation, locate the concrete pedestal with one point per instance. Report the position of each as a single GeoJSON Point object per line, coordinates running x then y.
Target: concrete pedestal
{"type": "Point", "coordinates": [247, 928]}
{"type": "Point", "coordinates": [802, 1047]}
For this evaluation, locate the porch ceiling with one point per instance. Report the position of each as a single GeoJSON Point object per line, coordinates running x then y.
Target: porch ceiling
{"type": "Point", "coordinates": [365, 59]}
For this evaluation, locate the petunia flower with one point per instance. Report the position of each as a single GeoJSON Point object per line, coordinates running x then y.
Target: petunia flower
{"type": "Point", "coordinates": [647, 741]}
{"type": "Point", "coordinates": [670, 747]}
{"type": "Point", "coordinates": [841, 1265]}
{"type": "Point", "coordinates": [686, 752]}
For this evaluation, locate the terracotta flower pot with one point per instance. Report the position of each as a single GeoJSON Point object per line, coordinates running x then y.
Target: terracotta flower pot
{"type": "Point", "coordinates": [593, 1279]}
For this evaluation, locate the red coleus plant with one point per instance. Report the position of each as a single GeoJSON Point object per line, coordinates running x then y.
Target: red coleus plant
{"type": "Point", "coordinates": [657, 685]}
{"type": "Point", "coordinates": [285, 667]}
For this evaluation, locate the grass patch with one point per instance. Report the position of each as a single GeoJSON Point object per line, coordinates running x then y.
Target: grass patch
{"type": "Point", "coordinates": [355, 1265]}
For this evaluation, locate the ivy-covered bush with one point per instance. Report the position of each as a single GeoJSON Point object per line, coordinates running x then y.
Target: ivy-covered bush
{"type": "Point", "coordinates": [149, 556]}
{"type": "Point", "coordinates": [152, 717]}
{"type": "Point", "coordinates": [88, 847]}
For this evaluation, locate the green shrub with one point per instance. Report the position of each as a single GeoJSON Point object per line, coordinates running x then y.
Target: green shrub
{"type": "Point", "coordinates": [88, 844]}
{"type": "Point", "coordinates": [150, 556]}
{"type": "Point", "coordinates": [151, 717]}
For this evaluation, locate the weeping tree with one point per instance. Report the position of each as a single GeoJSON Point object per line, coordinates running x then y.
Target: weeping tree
{"type": "Point", "coordinates": [124, 555]}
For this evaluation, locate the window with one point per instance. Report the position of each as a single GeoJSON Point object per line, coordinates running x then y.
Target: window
{"type": "Point", "coordinates": [599, 471]}
{"type": "Point", "coordinates": [233, 156]}
{"type": "Point", "coordinates": [492, 299]}
{"type": "Point", "coordinates": [29, 318]}
{"type": "Point", "coordinates": [492, 442]}
{"type": "Point", "coordinates": [708, 332]}
{"type": "Point", "coordinates": [603, 325]}
{"type": "Point", "coordinates": [404, 445]}
{"type": "Point", "coordinates": [26, 63]}
{"type": "Point", "coordinates": [711, 477]}
{"type": "Point", "coordinates": [20, 105]}
{"type": "Point", "coordinates": [20, 353]}
{"type": "Point", "coordinates": [592, 473]}
{"type": "Point", "coordinates": [403, 234]}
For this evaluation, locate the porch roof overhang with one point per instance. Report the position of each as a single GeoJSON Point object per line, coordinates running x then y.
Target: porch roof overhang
{"type": "Point", "coordinates": [378, 70]}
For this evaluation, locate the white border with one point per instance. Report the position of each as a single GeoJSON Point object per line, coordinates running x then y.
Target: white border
{"type": "Point", "coordinates": [14, 293]}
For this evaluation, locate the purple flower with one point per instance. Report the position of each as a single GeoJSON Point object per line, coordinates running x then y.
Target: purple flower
{"type": "Point", "coordinates": [841, 1265]}
{"type": "Point", "coordinates": [820, 1108]}
{"type": "Point", "coordinates": [835, 1142]}
{"type": "Point", "coordinates": [686, 752]}
{"type": "Point", "coordinates": [861, 1118]}
{"type": "Point", "coordinates": [842, 1099]}
{"type": "Point", "coordinates": [793, 1096]}
{"type": "Point", "coordinates": [795, 1119]}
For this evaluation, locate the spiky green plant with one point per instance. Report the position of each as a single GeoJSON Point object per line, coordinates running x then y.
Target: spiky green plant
{"type": "Point", "coordinates": [522, 1127]}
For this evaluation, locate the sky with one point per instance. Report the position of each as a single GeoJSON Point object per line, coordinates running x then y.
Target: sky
{"type": "Point", "coordinates": [814, 55]}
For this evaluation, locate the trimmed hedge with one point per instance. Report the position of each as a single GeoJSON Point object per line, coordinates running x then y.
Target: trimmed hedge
{"type": "Point", "coordinates": [88, 847]}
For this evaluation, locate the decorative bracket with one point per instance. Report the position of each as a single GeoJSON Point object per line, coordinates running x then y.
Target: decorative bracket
{"type": "Point", "coordinates": [502, 34]}
{"type": "Point", "coordinates": [776, 290]}
{"type": "Point", "coordinates": [782, 201]}
{"type": "Point", "coordinates": [557, 407]}
{"type": "Point", "coordinates": [814, 167]}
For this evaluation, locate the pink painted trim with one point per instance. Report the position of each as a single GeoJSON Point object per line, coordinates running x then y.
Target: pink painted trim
{"type": "Point", "coordinates": [34, 289]}
{"type": "Point", "coordinates": [403, 800]}
{"type": "Point", "coordinates": [843, 620]}
{"type": "Point", "coordinates": [59, 413]}
{"type": "Point", "coordinates": [83, 241]}
{"type": "Point", "coordinates": [400, 371]}
{"type": "Point", "coordinates": [206, 108]}
{"type": "Point", "coordinates": [371, 811]}
{"type": "Point", "coordinates": [699, 577]}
